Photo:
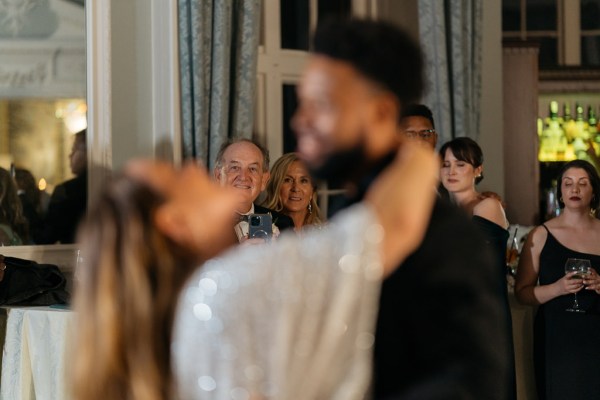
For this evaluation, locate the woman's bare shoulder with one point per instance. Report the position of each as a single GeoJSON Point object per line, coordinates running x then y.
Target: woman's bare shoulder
{"type": "Point", "coordinates": [595, 230]}
{"type": "Point", "coordinates": [538, 233]}
{"type": "Point", "coordinates": [489, 201]}
{"type": "Point", "coordinates": [491, 209]}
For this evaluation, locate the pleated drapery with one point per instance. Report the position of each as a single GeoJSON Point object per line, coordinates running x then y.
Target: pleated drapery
{"type": "Point", "coordinates": [451, 34]}
{"type": "Point", "coordinates": [218, 42]}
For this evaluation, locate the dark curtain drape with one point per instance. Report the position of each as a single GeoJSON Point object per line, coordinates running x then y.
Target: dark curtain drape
{"type": "Point", "coordinates": [451, 35]}
{"type": "Point", "coordinates": [218, 41]}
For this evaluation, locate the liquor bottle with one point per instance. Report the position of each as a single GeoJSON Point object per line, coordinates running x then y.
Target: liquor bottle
{"type": "Point", "coordinates": [580, 123]}
{"type": "Point", "coordinates": [552, 204]}
{"type": "Point", "coordinates": [566, 113]}
{"type": "Point", "coordinates": [568, 123]}
{"type": "Point", "coordinates": [593, 129]}
{"type": "Point", "coordinates": [553, 143]}
{"type": "Point", "coordinates": [580, 135]}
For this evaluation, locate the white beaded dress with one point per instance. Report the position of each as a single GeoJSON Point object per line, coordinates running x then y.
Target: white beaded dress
{"type": "Point", "coordinates": [293, 319]}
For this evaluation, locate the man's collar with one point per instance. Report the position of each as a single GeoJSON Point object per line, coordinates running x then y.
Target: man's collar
{"type": "Point", "coordinates": [251, 211]}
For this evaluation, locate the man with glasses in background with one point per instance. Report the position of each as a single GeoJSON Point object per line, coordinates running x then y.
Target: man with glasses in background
{"type": "Point", "coordinates": [417, 123]}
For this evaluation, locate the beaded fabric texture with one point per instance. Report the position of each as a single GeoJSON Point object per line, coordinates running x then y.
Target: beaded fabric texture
{"type": "Point", "coordinates": [293, 319]}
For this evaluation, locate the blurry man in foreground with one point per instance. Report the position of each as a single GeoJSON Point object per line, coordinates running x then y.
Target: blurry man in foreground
{"type": "Point", "coordinates": [440, 332]}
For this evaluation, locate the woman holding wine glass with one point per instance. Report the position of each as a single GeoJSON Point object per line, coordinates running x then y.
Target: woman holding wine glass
{"type": "Point", "coordinates": [558, 271]}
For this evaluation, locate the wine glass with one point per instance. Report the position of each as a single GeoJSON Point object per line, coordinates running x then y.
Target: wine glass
{"type": "Point", "coordinates": [582, 268]}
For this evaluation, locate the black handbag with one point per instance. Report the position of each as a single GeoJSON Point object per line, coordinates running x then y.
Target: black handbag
{"type": "Point", "coordinates": [27, 283]}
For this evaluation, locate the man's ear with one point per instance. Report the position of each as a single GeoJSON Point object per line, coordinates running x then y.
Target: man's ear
{"type": "Point", "coordinates": [172, 224]}
{"type": "Point", "coordinates": [217, 174]}
{"type": "Point", "coordinates": [265, 180]}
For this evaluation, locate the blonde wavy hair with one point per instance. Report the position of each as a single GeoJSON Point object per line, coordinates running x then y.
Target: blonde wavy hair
{"type": "Point", "coordinates": [274, 200]}
{"type": "Point", "coordinates": [125, 298]}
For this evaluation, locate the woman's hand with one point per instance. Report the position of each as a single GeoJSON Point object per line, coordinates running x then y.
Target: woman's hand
{"type": "Point", "coordinates": [245, 241]}
{"type": "Point", "coordinates": [196, 212]}
{"type": "Point", "coordinates": [592, 281]}
{"type": "Point", "coordinates": [567, 284]}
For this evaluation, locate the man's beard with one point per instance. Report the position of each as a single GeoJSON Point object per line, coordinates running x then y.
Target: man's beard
{"type": "Point", "coordinates": [342, 167]}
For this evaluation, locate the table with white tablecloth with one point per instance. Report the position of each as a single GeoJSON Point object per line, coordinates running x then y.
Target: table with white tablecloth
{"type": "Point", "coordinates": [35, 352]}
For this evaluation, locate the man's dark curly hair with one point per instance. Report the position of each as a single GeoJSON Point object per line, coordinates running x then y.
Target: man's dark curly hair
{"type": "Point", "coordinates": [379, 50]}
{"type": "Point", "coordinates": [418, 110]}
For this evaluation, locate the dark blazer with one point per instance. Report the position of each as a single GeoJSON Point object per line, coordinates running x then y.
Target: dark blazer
{"type": "Point", "coordinates": [66, 209]}
{"type": "Point", "coordinates": [440, 330]}
{"type": "Point", "coordinates": [281, 221]}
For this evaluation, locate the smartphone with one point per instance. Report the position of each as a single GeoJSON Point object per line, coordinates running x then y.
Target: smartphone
{"type": "Point", "coordinates": [260, 226]}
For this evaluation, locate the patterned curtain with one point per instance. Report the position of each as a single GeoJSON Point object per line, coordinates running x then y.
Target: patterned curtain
{"type": "Point", "coordinates": [450, 34]}
{"type": "Point", "coordinates": [218, 44]}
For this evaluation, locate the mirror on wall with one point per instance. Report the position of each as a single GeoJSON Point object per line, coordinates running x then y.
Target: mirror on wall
{"type": "Point", "coordinates": [42, 107]}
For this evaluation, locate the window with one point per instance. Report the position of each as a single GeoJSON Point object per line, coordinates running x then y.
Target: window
{"type": "Point", "coordinates": [283, 51]}
{"type": "Point", "coordinates": [568, 30]}
{"type": "Point", "coordinates": [590, 33]}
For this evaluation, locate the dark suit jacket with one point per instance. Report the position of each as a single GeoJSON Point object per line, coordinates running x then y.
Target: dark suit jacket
{"type": "Point", "coordinates": [66, 209]}
{"type": "Point", "coordinates": [440, 331]}
{"type": "Point", "coordinates": [281, 221]}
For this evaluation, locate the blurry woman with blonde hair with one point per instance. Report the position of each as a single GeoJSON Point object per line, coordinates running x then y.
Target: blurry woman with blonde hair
{"type": "Point", "coordinates": [143, 333]}
{"type": "Point", "coordinates": [292, 192]}
{"type": "Point", "coordinates": [125, 299]}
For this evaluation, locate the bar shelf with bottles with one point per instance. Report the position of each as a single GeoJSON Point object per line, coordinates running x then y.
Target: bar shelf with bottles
{"type": "Point", "coordinates": [567, 137]}
{"type": "Point", "coordinates": [563, 138]}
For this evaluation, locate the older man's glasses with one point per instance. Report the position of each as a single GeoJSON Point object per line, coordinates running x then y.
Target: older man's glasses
{"type": "Point", "coordinates": [424, 134]}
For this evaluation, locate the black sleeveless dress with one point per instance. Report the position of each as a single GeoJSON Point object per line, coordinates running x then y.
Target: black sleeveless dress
{"type": "Point", "coordinates": [496, 239]}
{"type": "Point", "coordinates": [566, 344]}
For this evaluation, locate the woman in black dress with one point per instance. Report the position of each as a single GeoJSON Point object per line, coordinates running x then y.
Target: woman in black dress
{"type": "Point", "coordinates": [566, 344]}
{"type": "Point", "coordinates": [462, 170]}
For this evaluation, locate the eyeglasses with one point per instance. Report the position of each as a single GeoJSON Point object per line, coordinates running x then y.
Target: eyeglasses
{"type": "Point", "coordinates": [424, 134]}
